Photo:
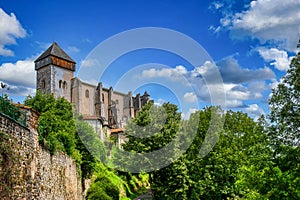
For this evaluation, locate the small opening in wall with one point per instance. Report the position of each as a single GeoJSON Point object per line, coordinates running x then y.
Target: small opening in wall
{"type": "Point", "coordinates": [43, 84]}
{"type": "Point", "coordinates": [102, 98]}
{"type": "Point", "coordinates": [87, 93]}
{"type": "Point", "coordinates": [60, 83]}
{"type": "Point", "coordinates": [65, 85]}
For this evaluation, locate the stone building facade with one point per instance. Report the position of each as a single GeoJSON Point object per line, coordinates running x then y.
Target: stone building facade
{"type": "Point", "coordinates": [98, 105]}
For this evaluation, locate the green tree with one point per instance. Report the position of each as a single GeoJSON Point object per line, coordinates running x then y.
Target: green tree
{"type": "Point", "coordinates": [107, 184]}
{"type": "Point", "coordinates": [274, 173]}
{"type": "Point", "coordinates": [214, 176]}
{"type": "Point", "coordinates": [173, 181]}
{"type": "Point", "coordinates": [7, 108]}
{"type": "Point", "coordinates": [240, 164]}
{"type": "Point", "coordinates": [161, 125]}
{"type": "Point", "coordinates": [40, 102]}
{"type": "Point", "coordinates": [89, 145]}
{"type": "Point", "coordinates": [285, 107]}
{"type": "Point", "coordinates": [56, 126]}
{"type": "Point", "coordinates": [284, 134]}
{"type": "Point", "coordinates": [150, 131]}
{"type": "Point", "coordinates": [103, 189]}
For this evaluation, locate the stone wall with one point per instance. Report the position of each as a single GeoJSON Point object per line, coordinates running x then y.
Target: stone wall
{"type": "Point", "coordinates": [83, 97]}
{"type": "Point", "coordinates": [43, 80]}
{"type": "Point", "coordinates": [62, 82]}
{"type": "Point", "coordinates": [34, 173]}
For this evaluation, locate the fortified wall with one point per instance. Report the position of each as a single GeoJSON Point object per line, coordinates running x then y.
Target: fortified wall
{"type": "Point", "coordinates": [27, 171]}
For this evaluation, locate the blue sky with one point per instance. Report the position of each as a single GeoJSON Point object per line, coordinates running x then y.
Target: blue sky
{"type": "Point", "coordinates": [250, 42]}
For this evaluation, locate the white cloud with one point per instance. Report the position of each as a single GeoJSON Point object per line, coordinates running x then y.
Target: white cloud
{"type": "Point", "coordinates": [188, 113]}
{"type": "Point", "coordinates": [190, 97]}
{"type": "Point", "coordinates": [181, 69]}
{"type": "Point", "coordinates": [238, 84]}
{"type": "Point", "coordinates": [232, 72]}
{"type": "Point", "coordinates": [216, 5]}
{"type": "Point", "coordinates": [172, 73]}
{"type": "Point", "coordinates": [160, 102]}
{"type": "Point", "coordinates": [255, 110]}
{"type": "Point", "coordinates": [269, 21]}
{"type": "Point", "coordinates": [19, 91]}
{"type": "Point", "coordinates": [10, 30]}
{"type": "Point", "coordinates": [234, 103]}
{"type": "Point", "coordinates": [238, 93]}
{"type": "Point", "coordinates": [274, 84]}
{"type": "Point", "coordinates": [73, 49]}
{"type": "Point", "coordinates": [226, 21]}
{"type": "Point", "coordinates": [205, 70]}
{"type": "Point", "coordinates": [215, 29]}
{"type": "Point", "coordinates": [278, 58]}
{"type": "Point", "coordinates": [19, 74]}
{"type": "Point", "coordinates": [89, 63]}
{"type": "Point", "coordinates": [235, 93]}
{"type": "Point", "coordinates": [258, 86]}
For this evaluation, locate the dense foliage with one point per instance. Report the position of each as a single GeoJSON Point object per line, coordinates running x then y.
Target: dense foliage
{"type": "Point", "coordinates": [10, 110]}
{"type": "Point", "coordinates": [88, 143]}
{"type": "Point", "coordinates": [60, 130]}
{"type": "Point", "coordinates": [109, 184]}
{"type": "Point", "coordinates": [103, 188]}
{"type": "Point", "coordinates": [56, 126]}
{"type": "Point", "coordinates": [285, 107]}
{"type": "Point", "coordinates": [251, 160]}
{"type": "Point", "coordinates": [242, 144]}
{"type": "Point", "coordinates": [216, 175]}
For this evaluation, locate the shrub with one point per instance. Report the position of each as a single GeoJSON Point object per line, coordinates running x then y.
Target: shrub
{"type": "Point", "coordinates": [103, 188]}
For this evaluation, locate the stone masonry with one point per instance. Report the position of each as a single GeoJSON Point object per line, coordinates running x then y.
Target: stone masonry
{"type": "Point", "coordinates": [39, 175]}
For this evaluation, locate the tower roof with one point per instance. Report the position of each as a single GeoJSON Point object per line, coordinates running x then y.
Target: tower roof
{"type": "Point", "coordinates": [146, 94]}
{"type": "Point", "coordinates": [55, 50]}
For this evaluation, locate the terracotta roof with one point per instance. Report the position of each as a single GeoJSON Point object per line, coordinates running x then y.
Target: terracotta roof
{"type": "Point", "coordinates": [55, 50]}
{"type": "Point", "coordinates": [19, 105]}
{"type": "Point", "coordinates": [116, 130]}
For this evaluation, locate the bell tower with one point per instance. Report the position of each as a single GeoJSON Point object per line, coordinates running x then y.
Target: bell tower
{"type": "Point", "coordinates": [55, 70]}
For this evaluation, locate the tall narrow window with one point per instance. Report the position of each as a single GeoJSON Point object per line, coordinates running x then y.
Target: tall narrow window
{"type": "Point", "coordinates": [102, 98]}
{"type": "Point", "coordinates": [43, 84]}
{"type": "Point", "coordinates": [60, 83]}
{"type": "Point", "coordinates": [65, 85]}
{"type": "Point", "coordinates": [87, 93]}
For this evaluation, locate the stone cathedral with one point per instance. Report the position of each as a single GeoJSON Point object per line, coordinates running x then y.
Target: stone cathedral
{"type": "Point", "coordinates": [99, 106]}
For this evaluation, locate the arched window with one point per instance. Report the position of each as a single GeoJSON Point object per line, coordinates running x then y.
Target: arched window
{"type": "Point", "coordinates": [102, 98]}
{"type": "Point", "coordinates": [65, 85]}
{"type": "Point", "coordinates": [87, 93]}
{"type": "Point", "coordinates": [60, 83]}
{"type": "Point", "coordinates": [43, 84]}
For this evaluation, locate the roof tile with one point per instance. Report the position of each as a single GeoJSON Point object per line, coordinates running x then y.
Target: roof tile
{"type": "Point", "coordinates": [55, 50]}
